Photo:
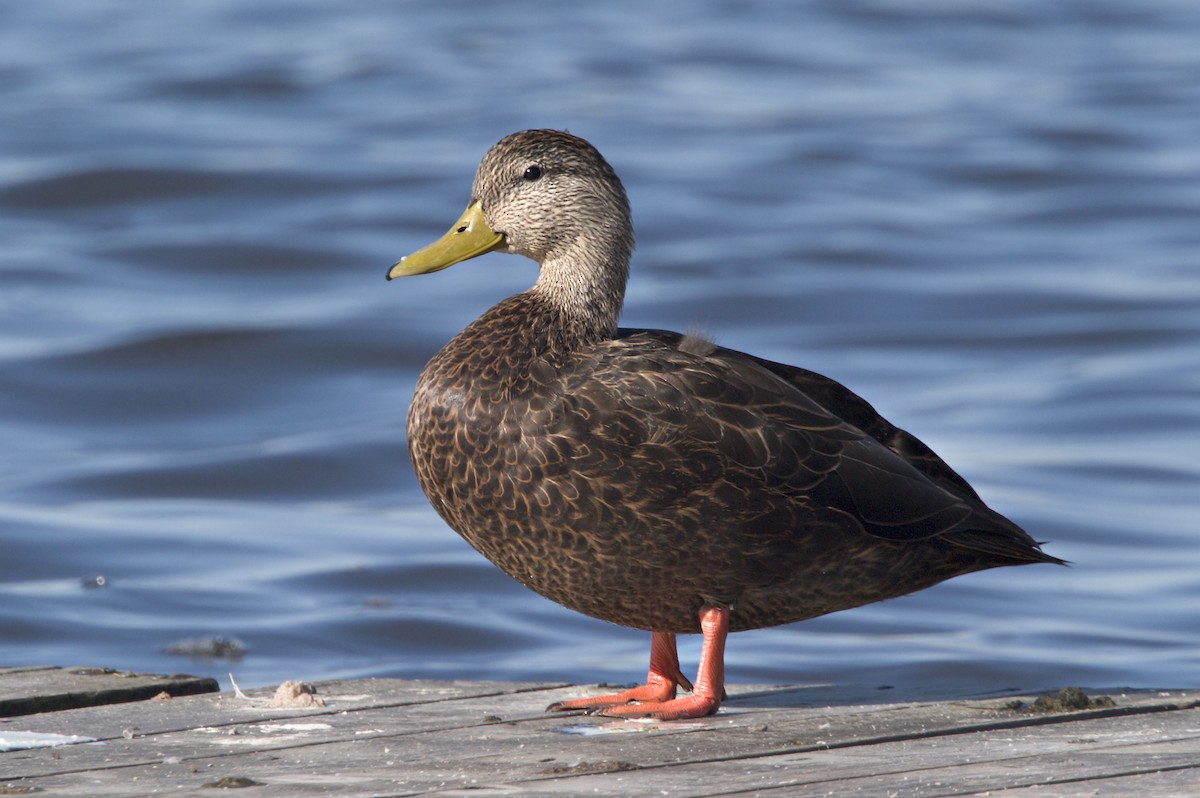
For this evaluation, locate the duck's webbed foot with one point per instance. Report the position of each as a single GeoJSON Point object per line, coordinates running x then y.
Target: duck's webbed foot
{"type": "Point", "coordinates": [661, 682]}
{"type": "Point", "coordinates": [656, 699]}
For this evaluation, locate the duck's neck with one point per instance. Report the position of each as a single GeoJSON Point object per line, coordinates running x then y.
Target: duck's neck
{"type": "Point", "coordinates": [585, 287]}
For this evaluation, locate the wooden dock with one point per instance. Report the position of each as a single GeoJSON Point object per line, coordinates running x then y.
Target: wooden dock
{"type": "Point", "coordinates": [390, 737]}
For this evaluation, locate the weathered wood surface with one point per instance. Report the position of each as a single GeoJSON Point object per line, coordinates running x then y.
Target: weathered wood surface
{"type": "Point", "coordinates": [398, 738]}
{"type": "Point", "coordinates": [24, 691]}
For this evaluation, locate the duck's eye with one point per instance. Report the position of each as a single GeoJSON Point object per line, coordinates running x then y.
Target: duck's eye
{"type": "Point", "coordinates": [533, 172]}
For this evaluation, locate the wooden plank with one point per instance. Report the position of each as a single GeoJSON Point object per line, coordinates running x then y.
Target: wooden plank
{"type": "Point", "coordinates": [25, 691]}
{"type": "Point", "coordinates": [504, 761]}
{"type": "Point", "coordinates": [409, 704]}
{"type": "Point", "coordinates": [392, 737]}
{"type": "Point", "coordinates": [1184, 783]}
{"type": "Point", "coordinates": [1073, 756]}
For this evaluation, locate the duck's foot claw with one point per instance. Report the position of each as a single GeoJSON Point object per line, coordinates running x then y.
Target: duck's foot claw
{"type": "Point", "coordinates": [692, 706]}
{"type": "Point", "coordinates": [651, 693]}
{"type": "Point", "coordinates": [656, 698]}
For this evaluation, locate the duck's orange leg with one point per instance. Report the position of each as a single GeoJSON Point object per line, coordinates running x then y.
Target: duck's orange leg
{"type": "Point", "coordinates": [656, 698]}
{"type": "Point", "coordinates": [660, 684]}
{"type": "Point", "coordinates": [709, 690]}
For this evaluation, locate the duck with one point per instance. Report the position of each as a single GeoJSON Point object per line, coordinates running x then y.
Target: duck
{"type": "Point", "coordinates": [655, 479]}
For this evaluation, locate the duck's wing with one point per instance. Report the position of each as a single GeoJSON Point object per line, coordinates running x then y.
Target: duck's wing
{"type": "Point", "coordinates": [794, 431]}
{"type": "Point", "coordinates": [851, 408]}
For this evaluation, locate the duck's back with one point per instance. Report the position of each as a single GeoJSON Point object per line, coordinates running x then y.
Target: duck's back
{"type": "Point", "coordinates": [638, 478]}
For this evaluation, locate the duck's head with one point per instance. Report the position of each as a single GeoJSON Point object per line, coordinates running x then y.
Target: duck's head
{"type": "Point", "coordinates": [541, 193]}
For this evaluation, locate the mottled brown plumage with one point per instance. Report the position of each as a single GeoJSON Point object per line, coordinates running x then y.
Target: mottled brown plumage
{"type": "Point", "coordinates": [652, 479]}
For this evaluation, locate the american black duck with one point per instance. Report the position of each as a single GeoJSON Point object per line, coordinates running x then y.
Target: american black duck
{"type": "Point", "coordinates": [654, 479]}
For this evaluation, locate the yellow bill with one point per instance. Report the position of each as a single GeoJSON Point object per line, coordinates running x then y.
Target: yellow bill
{"type": "Point", "coordinates": [468, 238]}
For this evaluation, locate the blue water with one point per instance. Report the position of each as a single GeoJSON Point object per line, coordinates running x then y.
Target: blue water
{"type": "Point", "coordinates": [984, 218]}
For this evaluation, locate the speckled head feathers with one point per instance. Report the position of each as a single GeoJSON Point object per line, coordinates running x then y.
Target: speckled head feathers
{"type": "Point", "coordinates": [548, 192]}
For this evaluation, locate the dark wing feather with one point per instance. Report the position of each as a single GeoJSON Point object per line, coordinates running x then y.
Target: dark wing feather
{"type": "Point", "coordinates": [849, 407]}
{"type": "Point", "coordinates": [807, 433]}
